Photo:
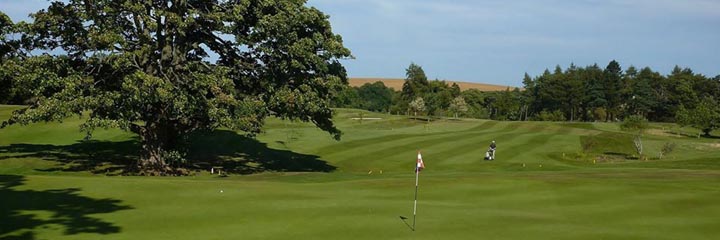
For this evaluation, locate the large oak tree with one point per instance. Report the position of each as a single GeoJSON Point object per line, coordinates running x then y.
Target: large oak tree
{"type": "Point", "coordinates": [166, 68]}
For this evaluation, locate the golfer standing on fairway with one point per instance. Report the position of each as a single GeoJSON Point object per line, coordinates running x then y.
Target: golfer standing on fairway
{"type": "Point", "coordinates": [490, 155]}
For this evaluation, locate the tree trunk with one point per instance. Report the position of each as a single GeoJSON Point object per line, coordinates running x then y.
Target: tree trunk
{"type": "Point", "coordinates": [152, 161]}
{"type": "Point", "coordinates": [607, 115]}
{"type": "Point", "coordinates": [156, 142]}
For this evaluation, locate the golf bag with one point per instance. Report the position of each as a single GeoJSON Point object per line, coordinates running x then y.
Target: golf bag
{"type": "Point", "coordinates": [490, 154]}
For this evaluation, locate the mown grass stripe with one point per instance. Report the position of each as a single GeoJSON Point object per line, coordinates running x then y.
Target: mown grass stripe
{"type": "Point", "coordinates": [404, 139]}
{"type": "Point", "coordinates": [390, 153]}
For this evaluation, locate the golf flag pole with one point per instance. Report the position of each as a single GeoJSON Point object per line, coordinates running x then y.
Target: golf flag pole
{"type": "Point", "coordinates": [418, 167]}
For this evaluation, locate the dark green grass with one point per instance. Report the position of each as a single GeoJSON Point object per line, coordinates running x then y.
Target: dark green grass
{"type": "Point", "coordinates": [295, 182]}
{"type": "Point", "coordinates": [636, 204]}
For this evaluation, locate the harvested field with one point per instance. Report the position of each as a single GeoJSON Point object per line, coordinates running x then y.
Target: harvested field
{"type": "Point", "coordinates": [396, 83]}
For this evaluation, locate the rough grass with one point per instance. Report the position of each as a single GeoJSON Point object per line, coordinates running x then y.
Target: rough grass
{"type": "Point", "coordinates": [301, 184]}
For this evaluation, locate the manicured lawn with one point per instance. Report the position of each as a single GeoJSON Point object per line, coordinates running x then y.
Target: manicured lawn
{"type": "Point", "coordinates": [307, 186]}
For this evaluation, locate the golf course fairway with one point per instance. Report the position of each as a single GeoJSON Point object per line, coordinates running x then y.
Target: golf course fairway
{"type": "Point", "coordinates": [294, 181]}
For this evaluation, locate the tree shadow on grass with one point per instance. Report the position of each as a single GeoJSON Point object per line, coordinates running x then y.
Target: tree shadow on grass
{"type": "Point", "coordinates": [617, 154]}
{"type": "Point", "coordinates": [244, 155]}
{"type": "Point", "coordinates": [691, 135]}
{"type": "Point", "coordinates": [23, 213]}
{"type": "Point", "coordinates": [234, 152]}
{"type": "Point", "coordinates": [424, 119]}
{"type": "Point", "coordinates": [93, 156]}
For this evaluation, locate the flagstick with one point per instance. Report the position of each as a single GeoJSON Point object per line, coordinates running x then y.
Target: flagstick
{"type": "Point", "coordinates": [417, 174]}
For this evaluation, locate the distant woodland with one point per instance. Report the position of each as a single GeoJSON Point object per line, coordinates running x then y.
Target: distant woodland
{"type": "Point", "coordinates": [589, 93]}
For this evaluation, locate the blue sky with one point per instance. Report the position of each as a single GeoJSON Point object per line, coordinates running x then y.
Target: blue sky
{"type": "Point", "coordinates": [498, 41]}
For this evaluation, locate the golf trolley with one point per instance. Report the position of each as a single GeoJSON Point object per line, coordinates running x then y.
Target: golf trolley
{"type": "Point", "coordinates": [490, 154]}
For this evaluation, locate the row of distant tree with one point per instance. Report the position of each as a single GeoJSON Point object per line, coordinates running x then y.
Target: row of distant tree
{"type": "Point", "coordinates": [418, 96]}
{"type": "Point", "coordinates": [588, 93]}
{"type": "Point", "coordinates": [421, 97]}
{"type": "Point", "coordinates": [594, 94]}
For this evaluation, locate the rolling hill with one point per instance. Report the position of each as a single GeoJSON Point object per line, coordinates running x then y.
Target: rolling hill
{"type": "Point", "coordinates": [396, 83]}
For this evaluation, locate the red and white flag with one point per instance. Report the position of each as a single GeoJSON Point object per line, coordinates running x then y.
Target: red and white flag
{"type": "Point", "coordinates": [420, 165]}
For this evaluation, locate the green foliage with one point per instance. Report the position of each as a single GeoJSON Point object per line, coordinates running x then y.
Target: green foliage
{"type": "Point", "coordinates": [527, 97]}
{"type": "Point", "coordinates": [560, 90]}
{"type": "Point", "coordinates": [416, 83]}
{"type": "Point", "coordinates": [144, 66]}
{"type": "Point", "coordinates": [574, 87]}
{"type": "Point", "coordinates": [612, 77]}
{"type": "Point", "coordinates": [374, 97]}
{"type": "Point", "coordinates": [10, 90]}
{"type": "Point", "coordinates": [550, 91]}
{"type": "Point", "coordinates": [8, 43]}
{"type": "Point", "coordinates": [399, 106]}
{"type": "Point", "coordinates": [599, 114]}
{"type": "Point", "coordinates": [555, 116]}
{"type": "Point", "coordinates": [475, 100]}
{"type": "Point", "coordinates": [642, 97]}
{"type": "Point", "coordinates": [506, 105]}
{"type": "Point", "coordinates": [684, 116]}
{"type": "Point", "coordinates": [682, 88]}
{"type": "Point", "coordinates": [455, 90]}
{"type": "Point", "coordinates": [635, 123]}
{"type": "Point", "coordinates": [681, 84]}
{"type": "Point", "coordinates": [595, 91]}
{"type": "Point", "coordinates": [347, 97]}
{"type": "Point", "coordinates": [705, 116]}
{"type": "Point", "coordinates": [438, 97]}
{"type": "Point", "coordinates": [7, 90]}
{"type": "Point", "coordinates": [594, 94]}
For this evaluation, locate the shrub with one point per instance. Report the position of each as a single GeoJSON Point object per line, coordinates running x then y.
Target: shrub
{"type": "Point", "coordinates": [667, 148]}
{"type": "Point", "coordinates": [635, 123]}
{"type": "Point", "coordinates": [555, 116]}
{"type": "Point", "coordinates": [599, 114]}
